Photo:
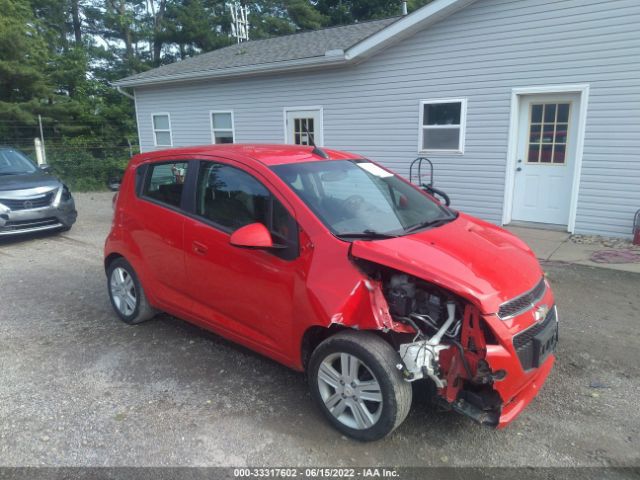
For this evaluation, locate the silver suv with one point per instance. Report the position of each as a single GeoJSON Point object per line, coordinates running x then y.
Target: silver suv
{"type": "Point", "coordinates": [31, 199]}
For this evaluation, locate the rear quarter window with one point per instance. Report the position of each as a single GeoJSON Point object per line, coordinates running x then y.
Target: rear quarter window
{"type": "Point", "coordinates": [165, 182]}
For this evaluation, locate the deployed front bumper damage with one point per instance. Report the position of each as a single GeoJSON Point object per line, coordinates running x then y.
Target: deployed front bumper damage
{"type": "Point", "coordinates": [484, 375]}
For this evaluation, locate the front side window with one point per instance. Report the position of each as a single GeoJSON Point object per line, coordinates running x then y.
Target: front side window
{"type": "Point", "coordinates": [442, 125]}
{"type": "Point", "coordinates": [162, 130]}
{"type": "Point", "coordinates": [231, 198]}
{"type": "Point", "coordinates": [12, 162]}
{"type": "Point", "coordinates": [222, 130]}
{"type": "Point", "coordinates": [165, 182]}
{"type": "Point", "coordinates": [353, 198]}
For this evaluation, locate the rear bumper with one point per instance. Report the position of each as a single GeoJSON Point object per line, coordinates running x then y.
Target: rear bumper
{"type": "Point", "coordinates": [51, 217]}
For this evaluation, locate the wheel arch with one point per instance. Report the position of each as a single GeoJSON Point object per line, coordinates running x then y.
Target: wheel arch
{"type": "Point", "coordinates": [317, 334]}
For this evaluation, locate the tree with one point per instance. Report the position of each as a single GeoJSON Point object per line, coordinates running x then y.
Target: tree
{"type": "Point", "coordinates": [23, 51]}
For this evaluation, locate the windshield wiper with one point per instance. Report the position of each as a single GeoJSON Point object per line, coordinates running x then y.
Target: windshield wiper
{"type": "Point", "coordinates": [430, 223]}
{"type": "Point", "coordinates": [367, 235]}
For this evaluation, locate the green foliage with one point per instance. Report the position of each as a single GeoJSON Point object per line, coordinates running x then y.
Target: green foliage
{"type": "Point", "coordinates": [83, 167]}
{"type": "Point", "coordinates": [58, 59]}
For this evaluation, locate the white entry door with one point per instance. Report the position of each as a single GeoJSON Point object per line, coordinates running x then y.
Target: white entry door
{"type": "Point", "coordinates": [545, 164]}
{"type": "Point", "coordinates": [301, 124]}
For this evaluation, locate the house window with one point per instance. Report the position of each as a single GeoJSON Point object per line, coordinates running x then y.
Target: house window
{"type": "Point", "coordinates": [162, 130]}
{"type": "Point", "coordinates": [222, 130]}
{"type": "Point", "coordinates": [442, 125]}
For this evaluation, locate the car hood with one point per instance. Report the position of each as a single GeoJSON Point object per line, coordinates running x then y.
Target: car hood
{"type": "Point", "coordinates": [27, 181]}
{"type": "Point", "coordinates": [474, 259]}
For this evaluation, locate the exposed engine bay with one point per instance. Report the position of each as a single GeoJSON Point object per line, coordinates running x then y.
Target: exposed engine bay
{"type": "Point", "coordinates": [448, 347]}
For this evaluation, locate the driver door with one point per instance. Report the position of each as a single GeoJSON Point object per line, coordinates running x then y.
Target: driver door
{"type": "Point", "coordinates": [247, 293]}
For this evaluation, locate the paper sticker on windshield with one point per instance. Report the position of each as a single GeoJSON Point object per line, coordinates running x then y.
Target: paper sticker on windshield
{"type": "Point", "coordinates": [374, 169]}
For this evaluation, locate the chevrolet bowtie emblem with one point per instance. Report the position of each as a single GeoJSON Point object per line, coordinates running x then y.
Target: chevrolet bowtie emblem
{"type": "Point", "coordinates": [541, 313]}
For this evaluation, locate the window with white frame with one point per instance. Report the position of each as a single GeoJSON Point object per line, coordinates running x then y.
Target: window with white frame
{"type": "Point", "coordinates": [442, 125]}
{"type": "Point", "coordinates": [222, 130]}
{"type": "Point", "coordinates": [162, 130]}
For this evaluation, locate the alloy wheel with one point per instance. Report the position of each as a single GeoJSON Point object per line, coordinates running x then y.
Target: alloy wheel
{"type": "Point", "coordinates": [350, 391]}
{"type": "Point", "coordinates": [123, 291]}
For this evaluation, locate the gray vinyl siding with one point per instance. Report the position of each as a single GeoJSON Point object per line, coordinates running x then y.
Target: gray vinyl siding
{"type": "Point", "coordinates": [479, 53]}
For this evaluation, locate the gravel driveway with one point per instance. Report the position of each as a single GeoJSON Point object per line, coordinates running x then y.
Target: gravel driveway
{"type": "Point", "coordinates": [79, 387]}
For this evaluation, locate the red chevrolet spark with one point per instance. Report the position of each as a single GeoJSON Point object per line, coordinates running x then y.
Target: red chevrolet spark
{"type": "Point", "coordinates": [333, 265]}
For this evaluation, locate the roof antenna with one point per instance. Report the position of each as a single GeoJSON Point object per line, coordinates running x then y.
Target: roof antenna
{"type": "Point", "coordinates": [316, 150]}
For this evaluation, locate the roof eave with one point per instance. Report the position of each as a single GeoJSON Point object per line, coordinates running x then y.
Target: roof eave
{"type": "Point", "coordinates": [405, 27]}
{"type": "Point", "coordinates": [332, 59]}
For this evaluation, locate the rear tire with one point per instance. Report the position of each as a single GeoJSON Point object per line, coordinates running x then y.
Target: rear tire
{"type": "Point", "coordinates": [354, 380]}
{"type": "Point", "coordinates": [126, 293]}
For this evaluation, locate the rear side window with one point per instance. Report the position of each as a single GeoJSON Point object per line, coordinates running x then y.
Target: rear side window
{"type": "Point", "coordinates": [165, 182]}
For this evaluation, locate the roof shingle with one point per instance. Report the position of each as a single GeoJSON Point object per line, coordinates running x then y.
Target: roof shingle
{"type": "Point", "coordinates": [296, 46]}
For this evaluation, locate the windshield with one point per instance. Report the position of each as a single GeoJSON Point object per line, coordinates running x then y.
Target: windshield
{"type": "Point", "coordinates": [358, 198]}
{"type": "Point", "coordinates": [13, 162]}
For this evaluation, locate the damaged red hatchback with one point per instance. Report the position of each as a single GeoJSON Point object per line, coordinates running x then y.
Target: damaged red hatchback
{"type": "Point", "coordinates": [331, 264]}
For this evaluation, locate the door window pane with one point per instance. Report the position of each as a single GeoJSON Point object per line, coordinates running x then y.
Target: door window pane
{"type": "Point", "coordinates": [545, 154]}
{"type": "Point", "coordinates": [302, 128]}
{"type": "Point", "coordinates": [563, 112]}
{"type": "Point", "coordinates": [548, 133]}
{"type": "Point", "coordinates": [165, 182]}
{"type": "Point", "coordinates": [558, 153]}
{"type": "Point", "coordinates": [232, 198]}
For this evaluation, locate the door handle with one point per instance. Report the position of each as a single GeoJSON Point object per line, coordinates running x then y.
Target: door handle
{"type": "Point", "coordinates": [519, 169]}
{"type": "Point", "coordinates": [199, 248]}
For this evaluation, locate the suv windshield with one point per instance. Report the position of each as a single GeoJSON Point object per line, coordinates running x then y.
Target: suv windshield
{"type": "Point", "coordinates": [13, 162]}
{"type": "Point", "coordinates": [356, 198]}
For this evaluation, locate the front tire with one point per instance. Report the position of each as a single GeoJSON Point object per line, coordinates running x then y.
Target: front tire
{"type": "Point", "coordinates": [354, 380]}
{"type": "Point", "coordinates": [126, 293]}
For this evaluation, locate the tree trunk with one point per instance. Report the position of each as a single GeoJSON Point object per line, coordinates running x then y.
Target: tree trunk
{"type": "Point", "coordinates": [75, 15]}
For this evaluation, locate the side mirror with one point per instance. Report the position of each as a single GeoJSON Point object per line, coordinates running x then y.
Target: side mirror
{"type": "Point", "coordinates": [254, 235]}
{"type": "Point", "coordinates": [45, 167]}
{"type": "Point", "coordinates": [113, 183]}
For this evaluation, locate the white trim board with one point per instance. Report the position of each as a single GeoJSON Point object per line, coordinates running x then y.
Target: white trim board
{"type": "Point", "coordinates": [512, 147]}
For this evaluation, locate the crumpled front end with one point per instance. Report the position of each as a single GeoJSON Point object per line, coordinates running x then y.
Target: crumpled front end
{"type": "Point", "coordinates": [486, 366]}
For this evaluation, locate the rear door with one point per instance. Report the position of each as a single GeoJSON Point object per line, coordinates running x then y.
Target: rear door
{"type": "Point", "coordinates": [160, 233]}
{"type": "Point", "coordinates": [246, 292]}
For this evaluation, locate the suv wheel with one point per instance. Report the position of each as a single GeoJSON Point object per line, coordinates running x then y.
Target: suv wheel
{"type": "Point", "coordinates": [354, 380]}
{"type": "Point", "coordinates": [126, 293]}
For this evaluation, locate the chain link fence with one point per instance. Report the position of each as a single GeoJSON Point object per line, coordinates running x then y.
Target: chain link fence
{"type": "Point", "coordinates": [81, 162]}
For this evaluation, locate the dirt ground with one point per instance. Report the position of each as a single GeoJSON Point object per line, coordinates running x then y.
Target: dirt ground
{"type": "Point", "coordinates": [78, 387]}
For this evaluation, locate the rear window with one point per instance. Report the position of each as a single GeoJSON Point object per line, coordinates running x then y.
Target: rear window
{"type": "Point", "coordinates": [165, 182]}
